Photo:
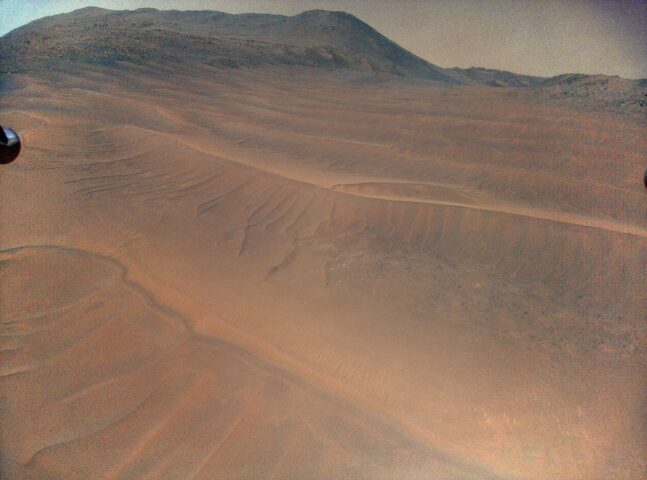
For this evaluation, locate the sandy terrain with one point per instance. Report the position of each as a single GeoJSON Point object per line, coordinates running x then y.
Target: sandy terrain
{"type": "Point", "coordinates": [276, 273]}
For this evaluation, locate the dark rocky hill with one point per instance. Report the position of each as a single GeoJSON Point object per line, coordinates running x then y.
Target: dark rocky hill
{"type": "Point", "coordinates": [495, 78]}
{"type": "Point", "coordinates": [611, 92]}
{"type": "Point", "coordinates": [316, 38]}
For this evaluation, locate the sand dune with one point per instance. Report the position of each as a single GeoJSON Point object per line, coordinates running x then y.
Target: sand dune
{"type": "Point", "coordinates": [132, 392]}
{"type": "Point", "coordinates": [299, 274]}
{"type": "Point", "coordinates": [454, 197]}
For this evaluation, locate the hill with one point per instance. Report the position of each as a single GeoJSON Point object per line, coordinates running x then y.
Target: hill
{"type": "Point", "coordinates": [611, 91]}
{"type": "Point", "coordinates": [495, 78]}
{"type": "Point", "coordinates": [313, 38]}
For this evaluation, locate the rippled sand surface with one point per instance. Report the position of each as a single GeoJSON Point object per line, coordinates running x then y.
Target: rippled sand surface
{"type": "Point", "coordinates": [277, 273]}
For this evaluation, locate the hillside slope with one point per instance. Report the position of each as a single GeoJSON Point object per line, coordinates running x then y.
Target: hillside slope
{"type": "Point", "coordinates": [496, 78]}
{"type": "Point", "coordinates": [314, 38]}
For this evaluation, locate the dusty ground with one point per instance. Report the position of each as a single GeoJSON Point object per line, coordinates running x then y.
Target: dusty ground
{"type": "Point", "coordinates": [269, 273]}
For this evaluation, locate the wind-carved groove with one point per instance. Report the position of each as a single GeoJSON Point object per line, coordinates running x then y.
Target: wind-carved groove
{"type": "Point", "coordinates": [190, 392]}
{"type": "Point", "coordinates": [212, 203]}
{"type": "Point", "coordinates": [143, 367]}
{"type": "Point", "coordinates": [268, 207]}
{"type": "Point", "coordinates": [33, 459]}
{"type": "Point", "coordinates": [213, 451]}
{"type": "Point", "coordinates": [286, 261]}
{"type": "Point", "coordinates": [267, 219]}
{"type": "Point", "coordinates": [286, 212]}
{"type": "Point", "coordinates": [59, 353]}
{"type": "Point", "coordinates": [250, 223]}
{"type": "Point", "coordinates": [198, 187]}
{"type": "Point", "coordinates": [302, 213]}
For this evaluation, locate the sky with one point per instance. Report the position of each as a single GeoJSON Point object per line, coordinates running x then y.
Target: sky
{"type": "Point", "coordinates": [536, 37]}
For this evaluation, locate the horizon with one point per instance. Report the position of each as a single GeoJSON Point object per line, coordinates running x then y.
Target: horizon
{"type": "Point", "coordinates": [606, 38]}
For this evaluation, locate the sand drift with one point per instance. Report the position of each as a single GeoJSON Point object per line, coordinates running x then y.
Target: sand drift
{"type": "Point", "coordinates": [276, 273]}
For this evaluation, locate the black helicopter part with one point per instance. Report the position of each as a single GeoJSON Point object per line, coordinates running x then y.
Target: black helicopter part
{"type": "Point", "coordinates": [9, 145]}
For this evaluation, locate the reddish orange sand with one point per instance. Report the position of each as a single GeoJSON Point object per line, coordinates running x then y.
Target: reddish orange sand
{"type": "Point", "coordinates": [276, 273]}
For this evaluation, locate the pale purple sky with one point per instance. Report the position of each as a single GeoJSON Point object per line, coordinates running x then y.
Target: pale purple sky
{"type": "Point", "coordinates": [540, 37]}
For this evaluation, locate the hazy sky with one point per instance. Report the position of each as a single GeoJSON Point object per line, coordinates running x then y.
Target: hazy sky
{"type": "Point", "coordinates": [541, 37]}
